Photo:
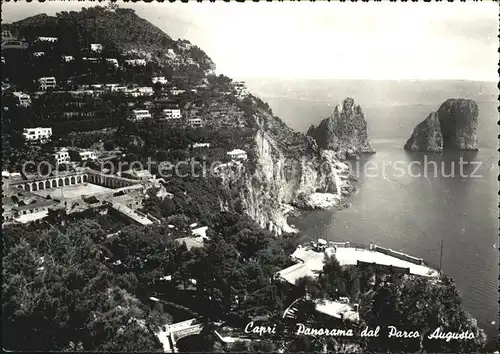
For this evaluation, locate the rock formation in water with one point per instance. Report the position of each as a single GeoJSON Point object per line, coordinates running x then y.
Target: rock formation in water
{"type": "Point", "coordinates": [345, 131]}
{"type": "Point", "coordinates": [452, 127]}
{"type": "Point", "coordinates": [459, 121]}
{"type": "Point", "coordinates": [426, 136]}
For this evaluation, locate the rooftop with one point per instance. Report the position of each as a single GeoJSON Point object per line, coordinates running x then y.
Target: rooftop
{"type": "Point", "coordinates": [310, 262]}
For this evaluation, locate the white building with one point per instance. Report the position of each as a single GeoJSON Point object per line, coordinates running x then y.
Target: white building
{"type": "Point", "coordinates": [159, 79]}
{"type": "Point", "coordinates": [238, 154]}
{"type": "Point", "coordinates": [35, 134]}
{"type": "Point", "coordinates": [140, 114]}
{"type": "Point", "coordinates": [96, 47]}
{"type": "Point", "coordinates": [111, 87]}
{"type": "Point", "coordinates": [195, 122]}
{"type": "Point", "coordinates": [240, 88]}
{"type": "Point", "coordinates": [172, 113]}
{"type": "Point", "coordinates": [136, 62]}
{"type": "Point", "coordinates": [87, 155]}
{"type": "Point", "coordinates": [112, 61]}
{"type": "Point", "coordinates": [145, 91]}
{"type": "Point", "coordinates": [176, 92]}
{"type": "Point", "coordinates": [6, 34]}
{"type": "Point", "coordinates": [201, 145]}
{"type": "Point", "coordinates": [47, 39]}
{"type": "Point", "coordinates": [24, 99]}
{"type": "Point", "coordinates": [62, 156]}
{"type": "Point", "coordinates": [68, 58]}
{"type": "Point", "coordinates": [47, 82]}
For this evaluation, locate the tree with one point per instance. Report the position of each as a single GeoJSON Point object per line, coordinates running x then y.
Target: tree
{"type": "Point", "coordinates": [58, 295]}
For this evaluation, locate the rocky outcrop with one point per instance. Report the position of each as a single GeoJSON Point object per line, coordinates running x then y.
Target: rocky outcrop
{"type": "Point", "coordinates": [344, 132]}
{"type": "Point", "coordinates": [426, 136]}
{"type": "Point", "coordinates": [459, 121]}
{"type": "Point", "coordinates": [287, 168]}
{"type": "Point", "coordinates": [452, 127]}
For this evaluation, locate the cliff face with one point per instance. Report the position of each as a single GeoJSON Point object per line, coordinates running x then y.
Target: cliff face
{"type": "Point", "coordinates": [426, 136]}
{"type": "Point", "coordinates": [453, 127]}
{"type": "Point", "coordinates": [345, 131]}
{"type": "Point", "coordinates": [289, 170]}
{"type": "Point", "coordinates": [459, 121]}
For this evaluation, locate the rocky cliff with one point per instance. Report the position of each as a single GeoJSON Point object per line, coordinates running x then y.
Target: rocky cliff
{"type": "Point", "coordinates": [452, 127]}
{"type": "Point", "coordinates": [288, 169]}
{"type": "Point", "coordinates": [426, 136]}
{"type": "Point", "coordinates": [344, 132]}
{"type": "Point", "coordinates": [459, 121]}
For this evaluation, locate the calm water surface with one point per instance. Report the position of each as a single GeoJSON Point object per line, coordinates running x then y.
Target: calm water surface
{"type": "Point", "coordinates": [414, 214]}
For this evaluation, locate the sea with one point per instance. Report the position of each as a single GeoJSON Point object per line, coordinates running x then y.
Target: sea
{"type": "Point", "coordinates": [417, 200]}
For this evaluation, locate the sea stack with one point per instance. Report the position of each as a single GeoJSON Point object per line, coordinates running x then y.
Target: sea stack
{"type": "Point", "coordinates": [345, 131]}
{"type": "Point", "coordinates": [452, 127]}
{"type": "Point", "coordinates": [426, 136]}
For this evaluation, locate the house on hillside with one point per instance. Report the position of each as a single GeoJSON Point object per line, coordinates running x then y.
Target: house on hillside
{"type": "Point", "coordinates": [113, 61]}
{"type": "Point", "coordinates": [171, 113]}
{"type": "Point", "coordinates": [37, 134]}
{"type": "Point", "coordinates": [159, 79]}
{"type": "Point", "coordinates": [140, 114]}
{"type": "Point", "coordinates": [47, 39]}
{"type": "Point", "coordinates": [136, 62]}
{"type": "Point", "coordinates": [61, 156]}
{"type": "Point", "coordinates": [238, 154]}
{"type": "Point", "coordinates": [47, 82]}
{"type": "Point", "coordinates": [24, 99]}
{"type": "Point", "coordinates": [96, 47]}
{"type": "Point", "coordinates": [195, 122]}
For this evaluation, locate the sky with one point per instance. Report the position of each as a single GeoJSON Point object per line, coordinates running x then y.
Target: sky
{"type": "Point", "coordinates": [325, 40]}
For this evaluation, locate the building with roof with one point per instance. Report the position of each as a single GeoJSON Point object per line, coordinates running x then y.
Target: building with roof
{"type": "Point", "coordinates": [47, 83]}
{"type": "Point", "coordinates": [171, 113]}
{"type": "Point", "coordinates": [113, 61]}
{"type": "Point", "coordinates": [136, 62]}
{"type": "Point", "coordinates": [238, 154]}
{"type": "Point", "coordinates": [141, 175]}
{"type": "Point", "coordinates": [195, 122]}
{"type": "Point", "coordinates": [159, 79]}
{"type": "Point", "coordinates": [96, 47]}
{"type": "Point", "coordinates": [20, 206]}
{"type": "Point", "coordinates": [37, 134]}
{"type": "Point", "coordinates": [62, 156]}
{"type": "Point", "coordinates": [47, 39]}
{"type": "Point", "coordinates": [23, 98]}
{"type": "Point", "coordinates": [140, 114]}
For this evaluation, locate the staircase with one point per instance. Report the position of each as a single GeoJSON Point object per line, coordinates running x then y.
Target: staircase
{"type": "Point", "coordinates": [291, 311]}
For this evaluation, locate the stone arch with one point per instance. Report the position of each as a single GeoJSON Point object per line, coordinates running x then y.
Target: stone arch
{"type": "Point", "coordinates": [27, 187]}
{"type": "Point", "coordinates": [41, 186]}
{"type": "Point", "coordinates": [47, 184]}
{"type": "Point", "coordinates": [54, 183]}
{"type": "Point", "coordinates": [20, 186]}
{"type": "Point", "coordinates": [84, 178]}
{"type": "Point", "coordinates": [72, 180]}
{"type": "Point", "coordinates": [61, 183]}
{"type": "Point", "coordinates": [66, 181]}
{"type": "Point", "coordinates": [34, 187]}
{"type": "Point", "coordinates": [79, 179]}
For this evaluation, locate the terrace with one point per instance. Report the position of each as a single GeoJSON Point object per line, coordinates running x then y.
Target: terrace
{"type": "Point", "coordinates": [311, 259]}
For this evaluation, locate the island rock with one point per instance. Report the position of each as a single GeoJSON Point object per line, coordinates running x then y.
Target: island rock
{"type": "Point", "coordinates": [459, 121]}
{"type": "Point", "coordinates": [345, 131]}
{"type": "Point", "coordinates": [452, 127]}
{"type": "Point", "coordinates": [426, 136]}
